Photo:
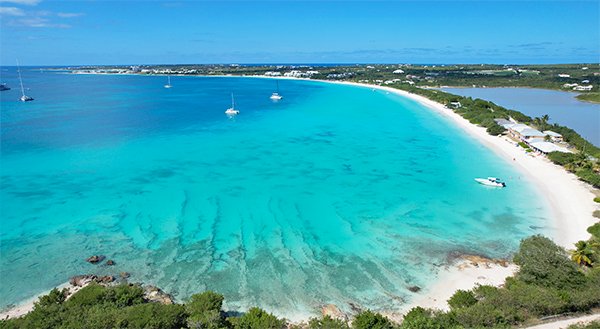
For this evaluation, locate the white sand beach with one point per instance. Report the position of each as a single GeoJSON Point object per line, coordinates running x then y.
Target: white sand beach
{"type": "Point", "coordinates": [570, 200]}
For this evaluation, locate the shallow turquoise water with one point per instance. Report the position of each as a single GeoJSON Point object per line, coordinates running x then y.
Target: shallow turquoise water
{"type": "Point", "coordinates": [336, 194]}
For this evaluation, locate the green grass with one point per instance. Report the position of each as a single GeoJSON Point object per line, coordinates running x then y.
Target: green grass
{"type": "Point", "coordinates": [589, 97]}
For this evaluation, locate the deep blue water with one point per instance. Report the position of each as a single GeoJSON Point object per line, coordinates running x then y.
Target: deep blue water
{"type": "Point", "coordinates": [336, 194]}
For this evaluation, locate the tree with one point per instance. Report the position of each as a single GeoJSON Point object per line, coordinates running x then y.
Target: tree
{"type": "Point", "coordinates": [582, 254]}
{"type": "Point", "coordinates": [462, 298]}
{"type": "Point", "coordinates": [371, 320]}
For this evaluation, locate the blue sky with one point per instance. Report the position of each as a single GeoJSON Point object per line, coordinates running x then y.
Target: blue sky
{"type": "Point", "coordinates": [46, 32]}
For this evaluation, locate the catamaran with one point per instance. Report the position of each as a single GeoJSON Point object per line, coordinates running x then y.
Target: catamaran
{"type": "Point", "coordinates": [4, 87]}
{"type": "Point", "coordinates": [168, 85]}
{"type": "Point", "coordinates": [24, 98]}
{"type": "Point", "coordinates": [232, 111]}
{"type": "Point", "coordinates": [491, 181]}
{"type": "Point", "coordinates": [275, 96]}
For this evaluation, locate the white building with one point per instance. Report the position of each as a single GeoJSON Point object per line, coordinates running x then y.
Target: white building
{"type": "Point", "coordinates": [547, 147]}
{"type": "Point", "coordinates": [562, 75]}
{"type": "Point", "coordinates": [583, 88]}
{"type": "Point", "coordinates": [554, 136]}
{"type": "Point", "coordinates": [398, 71]}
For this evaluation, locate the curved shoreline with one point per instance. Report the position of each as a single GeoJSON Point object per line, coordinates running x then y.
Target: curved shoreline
{"type": "Point", "coordinates": [570, 201]}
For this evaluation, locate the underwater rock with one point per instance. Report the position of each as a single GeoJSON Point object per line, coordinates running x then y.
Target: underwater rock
{"type": "Point", "coordinates": [95, 259]}
{"type": "Point", "coordinates": [110, 262]}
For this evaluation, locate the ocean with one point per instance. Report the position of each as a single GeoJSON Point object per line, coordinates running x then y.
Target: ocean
{"type": "Point", "coordinates": [335, 194]}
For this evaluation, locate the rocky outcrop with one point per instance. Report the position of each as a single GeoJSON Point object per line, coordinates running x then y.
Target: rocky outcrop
{"type": "Point", "coordinates": [82, 280]}
{"type": "Point", "coordinates": [95, 259]}
{"type": "Point", "coordinates": [334, 312]}
{"type": "Point", "coordinates": [156, 295]}
{"type": "Point", "coordinates": [110, 262]}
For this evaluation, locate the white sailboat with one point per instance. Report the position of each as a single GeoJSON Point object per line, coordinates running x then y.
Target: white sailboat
{"type": "Point", "coordinates": [168, 85]}
{"type": "Point", "coordinates": [24, 98]}
{"type": "Point", "coordinates": [275, 96]}
{"type": "Point", "coordinates": [232, 111]}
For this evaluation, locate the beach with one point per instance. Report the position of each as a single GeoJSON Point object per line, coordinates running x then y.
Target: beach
{"type": "Point", "coordinates": [569, 200]}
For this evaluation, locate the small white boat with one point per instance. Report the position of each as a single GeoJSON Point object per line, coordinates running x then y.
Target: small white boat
{"type": "Point", "coordinates": [275, 96]}
{"type": "Point", "coordinates": [168, 85]}
{"type": "Point", "coordinates": [24, 98]}
{"type": "Point", "coordinates": [232, 111]}
{"type": "Point", "coordinates": [491, 181]}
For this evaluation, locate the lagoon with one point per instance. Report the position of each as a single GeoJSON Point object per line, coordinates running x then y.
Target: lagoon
{"type": "Point", "coordinates": [336, 194]}
{"type": "Point", "coordinates": [562, 107]}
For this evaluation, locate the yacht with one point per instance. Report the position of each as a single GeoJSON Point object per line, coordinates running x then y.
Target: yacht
{"type": "Point", "coordinates": [275, 96]}
{"type": "Point", "coordinates": [232, 111]}
{"type": "Point", "coordinates": [4, 87]}
{"type": "Point", "coordinates": [168, 85]}
{"type": "Point", "coordinates": [24, 98]}
{"type": "Point", "coordinates": [491, 181]}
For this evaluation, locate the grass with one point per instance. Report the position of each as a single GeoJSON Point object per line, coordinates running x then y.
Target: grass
{"type": "Point", "coordinates": [589, 97]}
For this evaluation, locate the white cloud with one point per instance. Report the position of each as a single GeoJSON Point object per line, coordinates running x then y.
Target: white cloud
{"type": "Point", "coordinates": [11, 11]}
{"type": "Point", "coordinates": [22, 2]}
{"type": "Point", "coordinates": [38, 22]}
{"type": "Point", "coordinates": [69, 15]}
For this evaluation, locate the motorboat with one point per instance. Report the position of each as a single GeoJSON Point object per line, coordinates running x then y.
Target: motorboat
{"type": "Point", "coordinates": [491, 181]}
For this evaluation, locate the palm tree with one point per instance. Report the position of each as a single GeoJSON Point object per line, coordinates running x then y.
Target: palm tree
{"type": "Point", "coordinates": [583, 253]}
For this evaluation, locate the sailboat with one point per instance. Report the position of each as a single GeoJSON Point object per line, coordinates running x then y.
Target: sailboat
{"type": "Point", "coordinates": [275, 96]}
{"type": "Point", "coordinates": [24, 98]}
{"type": "Point", "coordinates": [232, 111]}
{"type": "Point", "coordinates": [168, 85]}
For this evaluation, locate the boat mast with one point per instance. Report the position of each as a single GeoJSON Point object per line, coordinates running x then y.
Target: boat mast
{"type": "Point", "coordinates": [20, 79]}
{"type": "Point", "coordinates": [232, 102]}
{"type": "Point", "coordinates": [169, 80]}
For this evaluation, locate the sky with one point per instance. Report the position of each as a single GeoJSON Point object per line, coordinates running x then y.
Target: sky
{"type": "Point", "coordinates": [52, 32]}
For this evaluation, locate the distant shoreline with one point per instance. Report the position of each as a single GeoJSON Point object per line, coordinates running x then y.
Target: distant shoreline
{"type": "Point", "coordinates": [570, 201]}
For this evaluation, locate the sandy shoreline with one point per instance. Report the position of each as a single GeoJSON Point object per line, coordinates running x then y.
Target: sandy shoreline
{"type": "Point", "coordinates": [570, 201]}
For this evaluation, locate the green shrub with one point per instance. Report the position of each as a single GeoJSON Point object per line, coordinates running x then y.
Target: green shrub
{"type": "Point", "coordinates": [597, 199]}
{"type": "Point", "coordinates": [420, 318]}
{"type": "Point", "coordinates": [561, 158]}
{"type": "Point", "coordinates": [589, 176]}
{"type": "Point", "coordinates": [370, 320]}
{"type": "Point", "coordinates": [91, 294]}
{"type": "Point", "coordinates": [206, 301]}
{"type": "Point", "coordinates": [256, 318]}
{"type": "Point", "coordinates": [594, 230]}
{"type": "Point", "coordinates": [591, 325]}
{"type": "Point", "coordinates": [124, 295]}
{"type": "Point", "coordinates": [462, 298]}
{"type": "Point", "coordinates": [327, 322]}
{"type": "Point", "coordinates": [153, 316]}
{"type": "Point", "coordinates": [544, 263]}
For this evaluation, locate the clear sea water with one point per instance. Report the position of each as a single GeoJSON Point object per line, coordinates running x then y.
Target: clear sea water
{"type": "Point", "coordinates": [562, 107]}
{"type": "Point", "coordinates": [336, 194]}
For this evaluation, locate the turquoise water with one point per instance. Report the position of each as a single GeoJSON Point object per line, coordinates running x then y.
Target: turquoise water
{"type": "Point", "coordinates": [562, 107]}
{"type": "Point", "coordinates": [336, 194]}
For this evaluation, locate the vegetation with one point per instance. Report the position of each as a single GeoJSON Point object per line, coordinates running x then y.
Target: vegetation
{"type": "Point", "coordinates": [589, 97]}
{"type": "Point", "coordinates": [591, 325]}
{"type": "Point", "coordinates": [550, 281]}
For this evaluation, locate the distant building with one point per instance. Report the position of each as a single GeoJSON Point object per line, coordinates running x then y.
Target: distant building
{"type": "Point", "coordinates": [570, 85]}
{"type": "Point", "coordinates": [555, 137]}
{"type": "Point", "coordinates": [584, 68]}
{"type": "Point", "coordinates": [456, 104]}
{"type": "Point", "coordinates": [272, 74]}
{"type": "Point", "coordinates": [562, 75]}
{"type": "Point", "coordinates": [585, 81]}
{"type": "Point", "coordinates": [524, 132]}
{"type": "Point", "coordinates": [583, 88]}
{"type": "Point", "coordinates": [398, 71]}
